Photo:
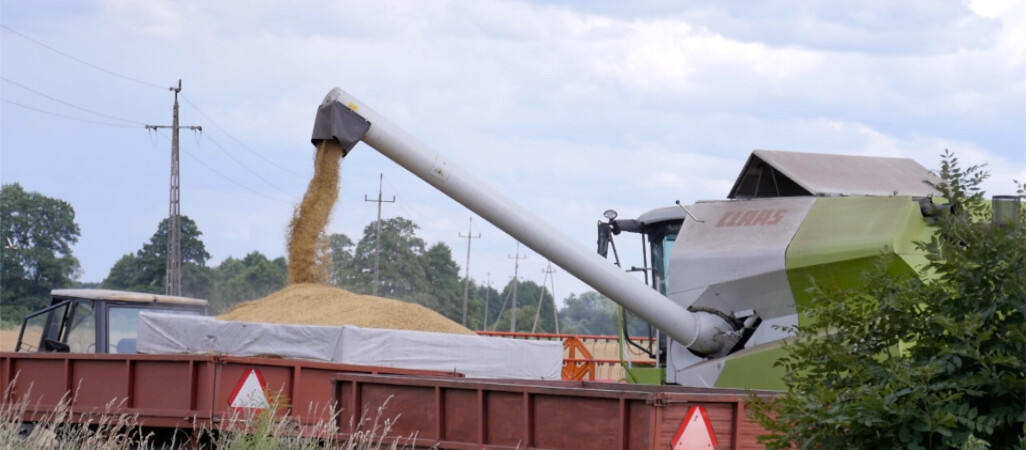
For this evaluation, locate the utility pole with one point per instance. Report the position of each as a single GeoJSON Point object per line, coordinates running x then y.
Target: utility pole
{"type": "Point", "coordinates": [552, 282]}
{"type": "Point", "coordinates": [173, 275]}
{"type": "Point", "coordinates": [466, 279]}
{"type": "Point", "coordinates": [516, 280]}
{"type": "Point", "coordinates": [488, 291]}
{"type": "Point", "coordinates": [548, 271]}
{"type": "Point", "coordinates": [377, 232]}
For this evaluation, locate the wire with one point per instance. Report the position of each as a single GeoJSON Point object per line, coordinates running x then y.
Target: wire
{"type": "Point", "coordinates": [218, 173]}
{"type": "Point", "coordinates": [226, 152]}
{"type": "Point", "coordinates": [12, 30]}
{"type": "Point", "coordinates": [414, 214]}
{"type": "Point", "coordinates": [66, 103]}
{"type": "Point", "coordinates": [67, 117]}
{"type": "Point", "coordinates": [219, 127]}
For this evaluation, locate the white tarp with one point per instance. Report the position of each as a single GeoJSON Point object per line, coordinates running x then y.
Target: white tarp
{"type": "Point", "coordinates": [473, 356]}
{"type": "Point", "coordinates": [176, 333]}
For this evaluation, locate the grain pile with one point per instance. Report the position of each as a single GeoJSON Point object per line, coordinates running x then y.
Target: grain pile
{"type": "Point", "coordinates": [315, 304]}
{"type": "Point", "coordinates": [311, 217]}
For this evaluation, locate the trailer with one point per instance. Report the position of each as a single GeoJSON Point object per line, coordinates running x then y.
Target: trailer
{"type": "Point", "coordinates": [191, 393]}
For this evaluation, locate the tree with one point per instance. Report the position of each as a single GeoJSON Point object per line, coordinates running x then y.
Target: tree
{"type": "Point", "coordinates": [444, 292]}
{"type": "Point", "coordinates": [402, 271]}
{"type": "Point", "coordinates": [494, 299]}
{"type": "Point", "coordinates": [528, 293]}
{"type": "Point", "coordinates": [36, 234]}
{"type": "Point", "coordinates": [340, 255]}
{"type": "Point", "coordinates": [145, 270]}
{"type": "Point", "coordinates": [249, 278]}
{"type": "Point", "coordinates": [589, 313]}
{"type": "Point", "coordinates": [912, 363]}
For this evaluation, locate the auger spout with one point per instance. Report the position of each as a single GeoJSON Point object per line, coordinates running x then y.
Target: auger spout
{"type": "Point", "coordinates": [348, 120]}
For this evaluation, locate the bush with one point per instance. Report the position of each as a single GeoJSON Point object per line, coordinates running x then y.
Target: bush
{"type": "Point", "coordinates": [916, 363]}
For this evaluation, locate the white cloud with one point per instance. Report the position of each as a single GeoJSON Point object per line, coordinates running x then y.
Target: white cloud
{"type": "Point", "coordinates": [569, 111]}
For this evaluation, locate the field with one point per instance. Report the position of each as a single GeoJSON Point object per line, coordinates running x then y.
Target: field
{"type": "Point", "coordinates": [8, 338]}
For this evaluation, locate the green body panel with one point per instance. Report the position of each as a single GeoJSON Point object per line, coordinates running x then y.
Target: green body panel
{"type": "Point", "coordinates": [645, 375]}
{"type": "Point", "coordinates": [753, 369]}
{"type": "Point", "coordinates": [844, 237]}
{"type": "Point", "coordinates": [840, 240]}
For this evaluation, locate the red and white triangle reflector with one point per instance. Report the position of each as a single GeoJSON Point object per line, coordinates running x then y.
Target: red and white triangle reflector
{"type": "Point", "coordinates": [695, 432]}
{"type": "Point", "coordinates": [249, 392]}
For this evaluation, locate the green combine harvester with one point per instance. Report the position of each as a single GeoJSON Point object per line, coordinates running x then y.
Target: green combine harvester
{"type": "Point", "coordinates": [791, 220]}
{"type": "Point", "coordinates": [724, 276]}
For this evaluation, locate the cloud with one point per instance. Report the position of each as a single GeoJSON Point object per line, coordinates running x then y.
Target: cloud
{"type": "Point", "coordinates": [568, 108]}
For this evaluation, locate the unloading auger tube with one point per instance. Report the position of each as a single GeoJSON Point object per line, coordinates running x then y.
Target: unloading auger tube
{"type": "Point", "coordinates": [344, 119]}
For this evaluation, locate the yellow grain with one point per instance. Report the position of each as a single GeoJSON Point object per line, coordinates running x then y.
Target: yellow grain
{"type": "Point", "coordinates": [315, 304]}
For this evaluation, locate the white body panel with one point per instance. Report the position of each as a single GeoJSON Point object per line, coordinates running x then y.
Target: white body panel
{"type": "Point", "coordinates": [734, 261]}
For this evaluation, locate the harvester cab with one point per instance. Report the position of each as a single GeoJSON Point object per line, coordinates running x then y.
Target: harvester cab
{"type": "Point", "coordinates": [96, 320]}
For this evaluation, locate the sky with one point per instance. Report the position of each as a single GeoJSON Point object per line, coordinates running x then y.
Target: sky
{"type": "Point", "coordinates": [568, 108]}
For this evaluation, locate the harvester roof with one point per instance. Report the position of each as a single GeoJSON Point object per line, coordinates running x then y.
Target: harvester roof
{"type": "Point", "coordinates": [770, 173]}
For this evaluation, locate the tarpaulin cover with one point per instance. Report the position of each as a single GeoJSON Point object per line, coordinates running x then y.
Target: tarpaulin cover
{"type": "Point", "coordinates": [473, 356]}
{"type": "Point", "coordinates": [176, 333]}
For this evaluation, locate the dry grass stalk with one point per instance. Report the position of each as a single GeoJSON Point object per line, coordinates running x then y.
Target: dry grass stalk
{"type": "Point", "coordinates": [271, 428]}
{"type": "Point", "coordinates": [59, 429]}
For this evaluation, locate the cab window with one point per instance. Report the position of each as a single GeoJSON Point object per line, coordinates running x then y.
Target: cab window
{"type": "Point", "coordinates": [81, 335]}
{"type": "Point", "coordinates": [661, 238]}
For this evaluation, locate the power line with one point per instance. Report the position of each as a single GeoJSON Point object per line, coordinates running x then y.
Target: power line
{"type": "Point", "coordinates": [377, 232]}
{"type": "Point", "coordinates": [488, 291]}
{"type": "Point", "coordinates": [254, 152]}
{"type": "Point", "coordinates": [80, 61]}
{"type": "Point", "coordinates": [516, 281]}
{"type": "Point", "coordinates": [244, 166]}
{"type": "Point", "coordinates": [67, 117]}
{"type": "Point", "coordinates": [66, 103]}
{"type": "Point", "coordinates": [466, 279]}
{"type": "Point", "coordinates": [225, 177]}
{"type": "Point", "coordinates": [173, 279]}
{"type": "Point", "coordinates": [548, 271]}
{"type": "Point", "coordinates": [413, 213]}
{"type": "Point", "coordinates": [155, 85]}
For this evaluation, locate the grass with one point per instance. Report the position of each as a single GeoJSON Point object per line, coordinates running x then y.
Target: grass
{"type": "Point", "coordinates": [271, 428]}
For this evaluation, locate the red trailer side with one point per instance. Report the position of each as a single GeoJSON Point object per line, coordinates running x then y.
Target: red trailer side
{"type": "Point", "coordinates": [190, 392]}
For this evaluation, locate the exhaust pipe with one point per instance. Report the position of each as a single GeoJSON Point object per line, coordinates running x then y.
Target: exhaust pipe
{"type": "Point", "coordinates": [344, 118]}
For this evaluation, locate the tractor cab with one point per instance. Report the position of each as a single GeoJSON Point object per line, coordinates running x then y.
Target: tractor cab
{"type": "Point", "coordinates": [96, 320]}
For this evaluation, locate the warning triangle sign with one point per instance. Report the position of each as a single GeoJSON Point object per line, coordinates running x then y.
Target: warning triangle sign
{"type": "Point", "coordinates": [695, 432]}
{"type": "Point", "coordinates": [249, 392]}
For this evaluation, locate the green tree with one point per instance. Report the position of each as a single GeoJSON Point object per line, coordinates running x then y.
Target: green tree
{"type": "Point", "coordinates": [340, 257]}
{"type": "Point", "coordinates": [589, 313]}
{"type": "Point", "coordinates": [145, 270]}
{"type": "Point", "coordinates": [444, 292]}
{"type": "Point", "coordinates": [36, 234]}
{"type": "Point", "coordinates": [249, 278]}
{"type": "Point", "coordinates": [528, 294]}
{"type": "Point", "coordinates": [910, 363]}
{"type": "Point", "coordinates": [402, 270]}
{"type": "Point", "coordinates": [494, 300]}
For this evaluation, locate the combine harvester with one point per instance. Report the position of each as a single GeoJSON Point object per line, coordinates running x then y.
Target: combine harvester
{"type": "Point", "coordinates": [725, 275]}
